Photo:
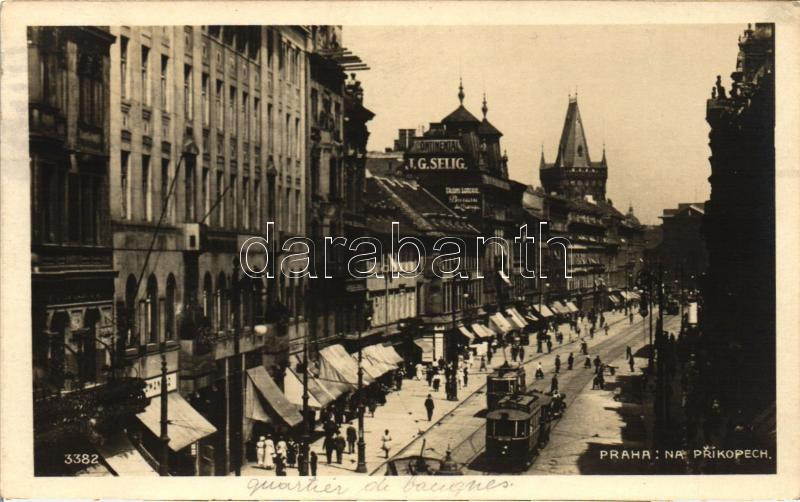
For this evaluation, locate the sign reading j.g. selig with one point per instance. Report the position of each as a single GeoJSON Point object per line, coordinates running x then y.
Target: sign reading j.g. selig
{"type": "Point", "coordinates": [435, 154]}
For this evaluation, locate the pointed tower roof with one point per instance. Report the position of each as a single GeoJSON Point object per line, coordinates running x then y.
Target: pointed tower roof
{"type": "Point", "coordinates": [486, 128]}
{"type": "Point", "coordinates": [572, 149]}
{"type": "Point", "coordinates": [460, 115]}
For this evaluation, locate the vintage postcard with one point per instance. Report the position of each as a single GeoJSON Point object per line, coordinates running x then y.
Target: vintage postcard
{"type": "Point", "coordinates": [339, 250]}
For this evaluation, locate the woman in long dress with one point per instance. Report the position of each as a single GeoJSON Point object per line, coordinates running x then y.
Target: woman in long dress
{"type": "Point", "coordinates": [386, 442]}
{"type": "Point", "coordinates": [269, 454]}
{"type": "Point", "coordinates": [420, 372]}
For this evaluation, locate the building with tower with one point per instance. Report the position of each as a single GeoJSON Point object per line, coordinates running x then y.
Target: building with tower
{"type": "Point", "coordinates": [573, 174]}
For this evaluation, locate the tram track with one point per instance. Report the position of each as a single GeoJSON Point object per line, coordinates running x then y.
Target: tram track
{"type": "Point", "coordinates": [608, 350]}
{"type": "Point", "coordinates": [469, 448]}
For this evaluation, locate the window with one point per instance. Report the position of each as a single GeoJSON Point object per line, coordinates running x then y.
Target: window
{"type": "Point", "coordinates": [125, 187]}
{"type": "Point", "coordinates": [123, 67]}
{"type": "Point", "coordinates": [299, 212]}
{"type": "Point", "coordinates": [297, 139]}
{"type": "Point", "coordinates": [234, 194]}
{"type": "Point", "coordinates": [286, 139]}
{"type": "Point", "coordinates": [169, 309]}
{"type": "Point", "coordinates": [246, 115]}
{"type": "Point", "coordinates": [220, 199]}
{"type": "Point", "coordinates": [232, 122]}
{"type": "Point", "coordinates": [246, 216]}
{"type": "Point", "coordinates": [220, 117]}
{"type": "Point", "coordinates": [204, 98]}
{"type": "Point", "coordinates": [164, 82]}
{"type": "Point", "coordinates": [270, 47]}
{"type": "Point", "coordinates": [257, 203]}
{"type": "Point", "coordinates": [206, 192]}
{"type": "Point", "coordinates": [314, 106]}
{"type": "Point", "coordinates": [145, 76]}
{"type": "Point", "coordinates": [91, 92]}
{"type": "Point", "coordinates": [151, 310]}
{"type": "Point", "coordinates": [165, 183]}
{"type": "Point", "coordinates": [257, 113]}
{"type": "Point", "coordinates": [270, 131]}
{"type": "Point", "coordinates": [188, 95]}
{"type": "Point", "coordinates": [147, 196]}
{"type": "Point", "coordinates": [190, 188]}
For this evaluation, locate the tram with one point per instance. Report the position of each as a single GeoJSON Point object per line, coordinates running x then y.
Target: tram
{"type": "Point", "coordinates": [504, 381]}
{"type": "Point", "coordinates": [517, 429]}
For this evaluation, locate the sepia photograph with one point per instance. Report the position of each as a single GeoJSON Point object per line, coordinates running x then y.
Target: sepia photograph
{"type": "Point", "coordinates": [400, 250]}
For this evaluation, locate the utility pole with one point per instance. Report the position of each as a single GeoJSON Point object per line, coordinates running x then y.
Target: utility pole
{"type": "Point", "coordinates": [361, 467]}
{"type": "Point", "coordinates": [302, 466]}
{"type": "Point", "coordinates": [163, 466]}
{"type": "Point", "coordinates": [235, 384]}
{"type": "Point", "coordinates": [450, 372]}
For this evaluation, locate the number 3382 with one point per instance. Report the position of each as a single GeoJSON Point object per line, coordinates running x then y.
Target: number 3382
{"type": "Point", "coordinates": [80, 458]}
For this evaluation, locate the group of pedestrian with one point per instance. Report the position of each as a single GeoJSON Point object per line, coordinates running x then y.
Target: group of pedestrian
{"type": "Point", "coordinates": [517, 352]}
{"type": "Point", "coordinates": [271, 455]}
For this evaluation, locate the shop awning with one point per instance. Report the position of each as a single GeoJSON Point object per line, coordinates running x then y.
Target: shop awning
{"type": "Point", "coordinates": [466, 332]}
{"type": "Point", "coordinates": [516, 318]}
{"type": "Point", "coordinates": [543, 311]}
{"type": "Point", "coordinates": [336, 364]}
{"type": "Point", "coordinates": [373, 369]}
{"type": "Point", "coordinates": [426, 344]}
{"type": "Point", "coordinates": [265, 386]}
{"type": "Point", "coordinates": [293, 390]}
{"type": "Point", "coordinates": [572, 307]}
{"type": "Point", "coordinates": [379, 357]}
{"type": "Point", "coordinates": [482, 331]}
{"type": "Point", "coordinates": [123, 457]}
{"type": "Point", "coordinates": [557, 308]}
{"type": "Point", "coordinates": [634, 295]}
{"type": "Point", "coordinates": [320, 388]}
{"type": "Point", "coordinates": [613, 299]}
{"type": "Point", "coordinates": [500, 323]}
{"type": "Point", "coordinates": [185, 426]}
{"type": "Point", "coordinates": [531, 318]}
{"type": "Point", "coordinates": [391, 354]}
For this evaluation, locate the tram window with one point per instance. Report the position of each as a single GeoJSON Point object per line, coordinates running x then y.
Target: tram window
{"type": "Point", "coordinates": [498, 385]}
{"type": "Point", "coordinates": [522, 429]}
{"type": "Point", "coordinates": [504, 428]}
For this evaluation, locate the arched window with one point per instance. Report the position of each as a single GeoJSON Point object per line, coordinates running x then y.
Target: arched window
{"type": "Point", "coordinates": [208, 294]}
{"type": "Point", "coordinates": [169, 309]}
{"type": "Point", "coordinates": [151, 309]}
{"type": "Point", "coordinates": [130, 311]}
{"type": "Point", "coordinates": [220, 299]}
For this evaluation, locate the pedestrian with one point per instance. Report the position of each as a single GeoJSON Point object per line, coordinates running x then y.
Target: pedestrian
{"type": "Point", "coordinates": [584, 348]}
{"type": "Point", "coordinates": [483, 364]}
{"type": "Point", "coordinates": [514, 351]}
{"type": "Point", "coordinates": [596, 361]}
{"type": "Point", "coordinates": [437, 379]}
{"type": "Point", "coordinates": [549, 345]}
{"type": "Point", "coordinates": [466, 376]}
{"type": "Point", "coordinates": [588, 362]}
{"type": "Point", "coordinates": [280, 449]}
{"type": "Point", "coordinates": [630, 363]}
{"type": "Point", "coordinates": [269, 454]}
{"type": "Point", "coordinates": [338, 445]}
{"type": "Point", "coordinates": [628, 353]}
{"type": "Point", "coordinates": [351, 437]}
{"type": "Point", "coordinates": [313, 463]}
{"type": "Point", "coordinates": [521, 353]}
{"type": "Point", "coordinates": [420, 372]}
{"type": "Point", "coordinates": [429, 374]}
{"type": "Point", "coordinates": [329, 447]}
{"type": "Point", "coordinates": [630, 318]}
{"type": "Point", "coordinates": [386, 442]}
{"type": "Point", "coordinates": [570, 360]}
{"type": "Point", "coordinates": [539, 371]}
{"type": "Point", "coordinates": [606, 329]}
{"type": "Point", "coordinates": [554, 385]}
{"type": "Point", "coordinates": [373, 405]}
{"type": "Point", "coordinates": [291, 453]}
{"type": "Point", "coordinates": [399, 379]}
{"type": "Point", "coordinates": [280, 466]}
{"type": "Point", "coordinates": [489, 354]}
{"type": "Point", "coordinates": [429, 407]}
{"type": "Point", "coordinates": [591, 331]}
{"type": "Point", "coordinates": [558, 363]}
{"type": "Point", "coordinates": [261, 451]}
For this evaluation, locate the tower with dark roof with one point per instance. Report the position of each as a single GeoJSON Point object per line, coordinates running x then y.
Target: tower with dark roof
{"type": "Point", "coordinates": [573, 174]}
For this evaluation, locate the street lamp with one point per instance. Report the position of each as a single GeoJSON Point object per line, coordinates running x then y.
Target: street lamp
{"type": "Point", "coordinates": [163, 466]}
{"type": "Point", "coordinates": [302, 466]}
{"type": "Point", "coordinates": [361, 467]}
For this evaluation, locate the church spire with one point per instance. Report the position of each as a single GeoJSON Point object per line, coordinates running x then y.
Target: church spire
{"type": "Point", "coordinates": [484, 108]}
{"type": "Point", "coordinates": [460, 90]}
{"type": "Point", "coordinates": [572, 149]}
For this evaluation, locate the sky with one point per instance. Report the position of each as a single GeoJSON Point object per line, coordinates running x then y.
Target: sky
{"type": "Point", "coordinates": [642, 91]}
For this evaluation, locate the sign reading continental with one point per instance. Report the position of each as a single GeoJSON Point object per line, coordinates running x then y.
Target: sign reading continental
{"type": "Point", "coordinates": [435, 155]}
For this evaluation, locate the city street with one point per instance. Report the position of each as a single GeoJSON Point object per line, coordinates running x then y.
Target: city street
{"type": "Point", "coordinates": [460, 425]}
